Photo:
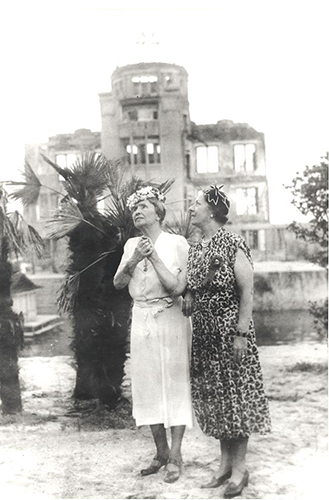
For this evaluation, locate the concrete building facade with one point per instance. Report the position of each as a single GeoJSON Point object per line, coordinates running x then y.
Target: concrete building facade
{"type": "Point", "coordinates": [146, 124]}
{"type": "Point", "coordinates": [144, 121]}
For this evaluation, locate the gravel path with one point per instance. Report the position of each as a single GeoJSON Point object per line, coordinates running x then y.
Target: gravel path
{"type": "Point", "coordinates": [45, 454]}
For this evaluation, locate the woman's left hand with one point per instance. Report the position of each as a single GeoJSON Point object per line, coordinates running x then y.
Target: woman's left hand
{"type": "Point", "coordinates": [187, 305]}
{"type": "Point", "coordinates": [239, 349]}
{"type": "Point", "coordinates": [153, 255]}
{"type": "Point", "coordinates": [148, 246]}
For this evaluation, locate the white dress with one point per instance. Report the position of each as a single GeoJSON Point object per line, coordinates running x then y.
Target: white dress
{"type": "Point", "coordinates": [160, 339]}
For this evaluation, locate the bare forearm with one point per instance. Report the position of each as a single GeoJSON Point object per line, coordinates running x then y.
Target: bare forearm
{"type": "Point", "coordinates": [245, 310]}
{"type": "Point", "coordinates": [244, 277]}
{"type": "Point", "coordinates": [123, 277]}
{"type": "Point", "coordinates": [173, 284]}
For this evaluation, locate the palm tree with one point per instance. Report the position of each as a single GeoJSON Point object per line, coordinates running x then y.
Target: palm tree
{"type": "Point", "coordinates": [100, 314]}
{"type": "Point", "coordinates": [182, 226]}
{"type": "Point", "coordinates": [16, 237]}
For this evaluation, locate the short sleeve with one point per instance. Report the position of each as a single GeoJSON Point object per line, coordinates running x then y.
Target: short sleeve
{"type": "Point", "coordinates": [239, 244]}
{"type": "Point", "coordinates": [181, 255]}
{"type": "Point", "coordinates": [172, 250]}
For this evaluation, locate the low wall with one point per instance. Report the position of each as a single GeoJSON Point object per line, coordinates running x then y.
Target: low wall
{"type": "Point", "coordinates": [278, 286]}
{"type": "Point", "coordinates": [288, 286]}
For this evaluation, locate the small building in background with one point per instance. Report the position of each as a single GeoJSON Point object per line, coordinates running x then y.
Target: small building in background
{"type": "Point", "coordinates": [24, 295]}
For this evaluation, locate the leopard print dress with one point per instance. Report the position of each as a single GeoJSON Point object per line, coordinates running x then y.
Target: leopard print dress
{"type": "Point", "coordinates": [229, 399]}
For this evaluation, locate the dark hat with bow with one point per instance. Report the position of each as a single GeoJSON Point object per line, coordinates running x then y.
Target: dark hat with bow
{"type": "Point", "coordinates": [214, 195]}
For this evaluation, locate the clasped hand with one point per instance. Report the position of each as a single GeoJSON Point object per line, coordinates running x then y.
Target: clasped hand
{"type": "Point", "coordinates": [144, 248]}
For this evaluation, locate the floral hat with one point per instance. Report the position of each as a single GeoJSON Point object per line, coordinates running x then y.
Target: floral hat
{"type": "Point", "coordinates": [144, 193]}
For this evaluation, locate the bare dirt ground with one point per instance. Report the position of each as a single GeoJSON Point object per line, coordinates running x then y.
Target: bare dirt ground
{"type": "Point", "coordinates": [51, 452]}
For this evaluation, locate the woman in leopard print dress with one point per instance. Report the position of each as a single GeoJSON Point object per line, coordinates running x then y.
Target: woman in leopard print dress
{"type": "Point", "coordinates": [226, 377]}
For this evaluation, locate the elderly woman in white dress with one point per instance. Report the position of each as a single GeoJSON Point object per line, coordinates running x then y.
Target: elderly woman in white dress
{"type": "Point", "coordinates": [154, 268]}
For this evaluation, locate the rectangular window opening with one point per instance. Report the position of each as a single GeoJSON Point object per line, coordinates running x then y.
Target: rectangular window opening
{"type": "Point", "coordinates": [158, 153]}
{"type": "Point", "coordinates": [141, 152]}
{"type": "Point", "coordinates": [207, 159]}
{"type": "Point", "coordinates": [133, 115]}
{"type": "Point", "coordinates": [71, 159]}
{"type": "Point", "coordinates": [244, 157]}
{"type": "Point", "coordinates": [150, 152]}
{"type": "Point", "coordinates": [247, 201]}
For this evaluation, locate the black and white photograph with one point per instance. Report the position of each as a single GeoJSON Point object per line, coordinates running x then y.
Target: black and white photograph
{"type": "Point", "coordinates": [164, 249]}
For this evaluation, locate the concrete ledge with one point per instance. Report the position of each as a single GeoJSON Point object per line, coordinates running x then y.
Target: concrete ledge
{"type": "Point", "coordinates": [286, 266]}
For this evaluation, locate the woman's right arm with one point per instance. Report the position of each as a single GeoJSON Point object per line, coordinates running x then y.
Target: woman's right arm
{"type": "Point", "coordinates": [127, 265]}
{"type": "Point", "coordinates": [124, 273]}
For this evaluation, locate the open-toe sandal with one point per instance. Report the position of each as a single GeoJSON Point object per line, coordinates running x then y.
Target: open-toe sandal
{"type": "Point", "coordinates": [173, 470]}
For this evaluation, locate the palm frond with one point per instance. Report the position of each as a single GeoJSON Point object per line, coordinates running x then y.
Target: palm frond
{"type": "Point", "coordinates": [117, 212]}
{"type": "Point", "coordinates": [9, 232]}
{"type": "Point", "coordinates": [30, 191]}
{"type": "Point", "coordinates": [119, 216]}
{"type": "Point", "coordinates": [36, 240]}
{"type": "Point", "coordinates": [182, 226]}
{"type": "Point", "coordinates": [116, 174]}
{"type": "Point", "coordinates": [87, 178]}
{"type": "Point", "coordinates": [64, 172]}
{"type": "Point", "coordinates": [165, 186]}
{"type": "Point", "coordinates": [68, 293]}
{"type": "Point", "coordinates": [66, 219]}
{"type": "Point", "coordinates": [20, 236]}
{"type": "Point", "coordinates": [28, 238]}
{"type": "Point", "coordinates": [7, 229]}
{"type": "Point", "coordinates": [3, 206]}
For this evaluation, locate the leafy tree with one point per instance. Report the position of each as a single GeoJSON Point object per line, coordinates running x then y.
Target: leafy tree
{"type": "Point", "coordinates": [16, 237]}
{"type": "Point", "coordinates": [310, 196]}
{"type": "Point", "coordinates": [100, 313]}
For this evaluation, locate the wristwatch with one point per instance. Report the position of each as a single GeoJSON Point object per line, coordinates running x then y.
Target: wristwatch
{"type": "Point", "coordinates": [241, 333]}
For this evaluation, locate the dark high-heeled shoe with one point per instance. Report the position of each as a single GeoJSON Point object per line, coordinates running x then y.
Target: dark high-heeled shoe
{"type": "Point", "coordinates": [232, 490]}
{"type": "Point", "coordinates": [216, 482]}
{"type": "Point", "coordinates": [154, 466]}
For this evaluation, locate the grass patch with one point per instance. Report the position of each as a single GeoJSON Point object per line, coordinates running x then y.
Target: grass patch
{"type": "Point", "coordinates": [285, 397]}
{"type": "Point", "coordinates": [93, 416]}
{"type": "Point", "coordinates": [305, 366]}
{"type": "Point", "coordinates": [26, 418]}
{"type": "Point", "coordinates": [88, 415]}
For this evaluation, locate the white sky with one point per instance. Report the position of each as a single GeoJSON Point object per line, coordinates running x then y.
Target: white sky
{"type": "Point", "coordinates": [256, 61]}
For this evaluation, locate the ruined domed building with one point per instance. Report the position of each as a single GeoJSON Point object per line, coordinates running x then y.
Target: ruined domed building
{"type": "Point", "coordinates": [146, 124]}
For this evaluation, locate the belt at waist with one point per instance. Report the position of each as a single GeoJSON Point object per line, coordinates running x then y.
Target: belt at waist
{"type": "Point", "coordinates": [161, 301]}
{"type": "Point", "coordinates": [152, 308]}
